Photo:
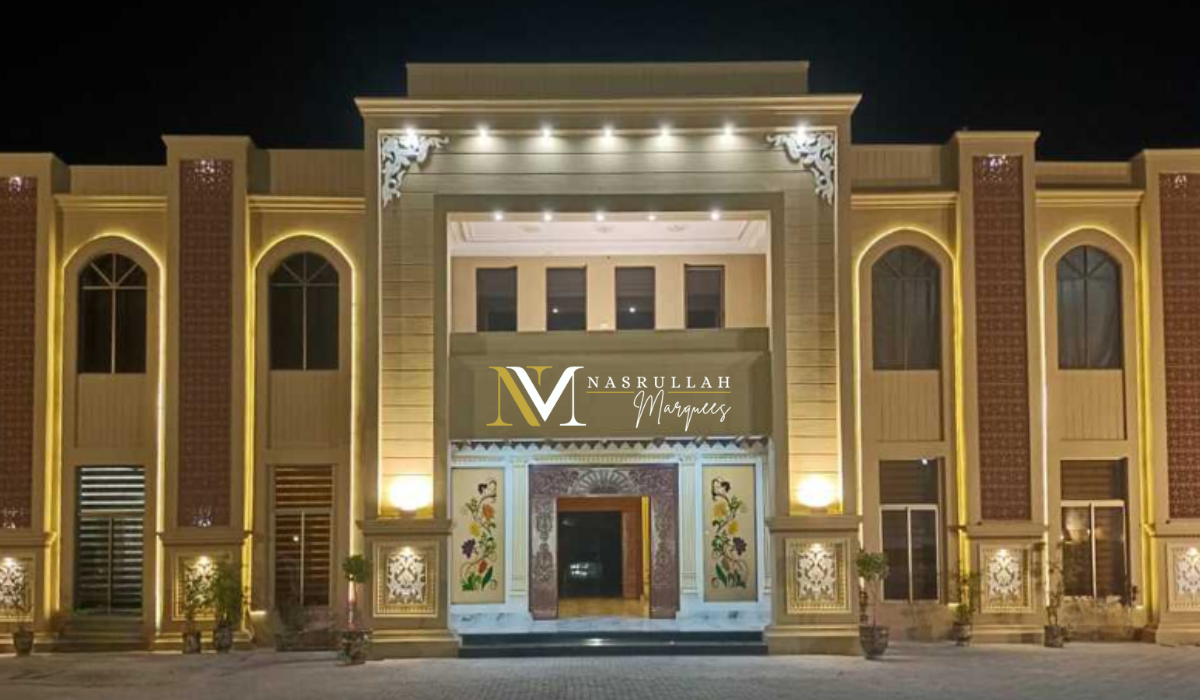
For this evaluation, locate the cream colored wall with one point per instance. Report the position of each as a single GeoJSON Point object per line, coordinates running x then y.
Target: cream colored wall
{"type": "Point", "coordinates": [745, 289]}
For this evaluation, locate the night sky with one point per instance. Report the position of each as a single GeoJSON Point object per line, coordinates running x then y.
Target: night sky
{"type": "Point", "coordinates": [101, 83]}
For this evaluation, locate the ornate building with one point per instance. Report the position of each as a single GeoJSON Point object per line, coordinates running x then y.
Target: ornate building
{"type": "Point", "coordinates": [673, 304]}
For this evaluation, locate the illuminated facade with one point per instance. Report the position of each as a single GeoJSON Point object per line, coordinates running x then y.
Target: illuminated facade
{"type": "Point", "coordinates": [673, 300]}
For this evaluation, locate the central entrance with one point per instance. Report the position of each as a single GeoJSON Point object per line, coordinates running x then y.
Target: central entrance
{"type": "Point", "coordinates": [566, 566]}
{"type": "Point", "coordinates": [602, 556]}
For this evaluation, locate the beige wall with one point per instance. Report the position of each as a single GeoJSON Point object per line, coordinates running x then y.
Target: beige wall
{"type": "Point", "coordinates": [745, 289]}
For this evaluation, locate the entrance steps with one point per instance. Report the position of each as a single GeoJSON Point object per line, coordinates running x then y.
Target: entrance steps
{"type": "Point", "coordinates": [597, 643]}
{"type": "Point", "coordinates": [91, 633]}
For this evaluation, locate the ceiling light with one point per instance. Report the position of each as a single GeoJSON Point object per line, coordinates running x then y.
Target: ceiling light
{"type": "Point", "coordinates": [547, 216]}
{"type": "Point", "coordinates": [599, 216]}
{"type": "Point", "coordinates": [715, 215]}
{"type": "Point", "coordinates": [498, 216]}
{"type": "Point", "coordinates": [652, 217]}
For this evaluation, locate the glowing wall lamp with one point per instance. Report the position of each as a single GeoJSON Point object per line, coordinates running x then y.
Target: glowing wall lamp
{"type": "Point", "coordinates": [817, 492]}
{"type": "Point", "coordinates": [410, 493]}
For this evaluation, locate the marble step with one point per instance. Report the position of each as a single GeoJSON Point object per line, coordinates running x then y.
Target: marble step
{"type": "Point", "coordinates": [612, 644]}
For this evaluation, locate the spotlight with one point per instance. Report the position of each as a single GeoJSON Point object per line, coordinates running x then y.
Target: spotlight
{"type": "Point", "coordinates": [483, 132]}
{"type": "Point", "coordinates": [547, 217]}
{"type": "Point", "coordinates": [599, 216]}
{"type": "Point", "coordinates": [547, 132]}
{"type": "Point", "coordinates": [715, 215]}
{"type": "Point", "coordinates": [497, 216]}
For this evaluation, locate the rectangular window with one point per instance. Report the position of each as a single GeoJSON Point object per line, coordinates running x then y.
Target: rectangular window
{"type": "Point", "coordinates": [705, 291]}
{"type": "Point", "coordinates": [566, 299]}
{"type": "Point", "coordinates": [910, 497]}
{"type": "Point", "coordinates": [635, 298]}
{"type": "Point", "coordinates": [303, 514]}
{"type": "Point", "coordinates": [496, 299]}
{"type": "Point", "coordinates": [1095, 550]}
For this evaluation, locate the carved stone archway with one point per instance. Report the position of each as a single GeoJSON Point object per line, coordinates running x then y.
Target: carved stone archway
{"type": "Point", "coordinates": [547, 483]}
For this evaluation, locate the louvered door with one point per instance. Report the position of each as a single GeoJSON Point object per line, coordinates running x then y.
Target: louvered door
{"type": "Point", "coordinates": [303, 510]}
{"type": "Point", "coordinates": [109, 536]}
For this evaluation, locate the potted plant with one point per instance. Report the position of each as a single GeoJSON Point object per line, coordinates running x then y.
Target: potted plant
{"type": "Point", "coordinates": [872, 568]}
{"type": "Point", "coordinates": [1055, 633]}
{"type": "Point", "coordinates": [227, 602]}
{"type": "Point", "coordinates": [20, 607]}
{"type": "Point", "coordinates": [195, 599]}
{"type": "Point", "coordinates": [968, 605]}
{"type": "Point", "coordinates": [355, 642]}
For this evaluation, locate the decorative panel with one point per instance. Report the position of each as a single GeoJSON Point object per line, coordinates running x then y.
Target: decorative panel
{"type": "Point", "coordinates": [817, 576]}
{"type": "Point", "coordinates": [1006, 578]}
{"type": "Point", "coordinates": [1002, 343]}
{"type": "Point", "coordinates": [194, 571]}
{"type": "Point", "coordinates": [16, 589]}
{"type": "Point", "coordinates": [18, 333]}
{"type": "Point", "coordinates": [205, 342]}
{"type": "Point", "coordinates": [478, 568]}
{"type": "Point", "coordinates": [1184, 560]}
{"type": "Point", "coordinates": [406, 579]}
{"type": "Point", "coordinates": [730, 534]}
{"type": "Point", "coordinates": [1180, 214]}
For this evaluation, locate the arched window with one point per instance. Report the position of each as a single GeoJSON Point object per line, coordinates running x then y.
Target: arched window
{"type": "Point", "coordinates": [303, 307]}
{"type": "Point", "coordinates": [112, 316]}
{"type": "Point", "coordinates": [906, 310]}
{"type": "Point", "coordinates": [1089, 310]}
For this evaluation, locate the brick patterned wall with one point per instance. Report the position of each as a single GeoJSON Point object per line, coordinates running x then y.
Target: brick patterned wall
{"type": "Point", "coordinates": [205, 341]}
{"type": "Point", "coordinates": [1180, 223]}
{"type": "Point", "coordinates": [18, 333]}
{"type": "Point", "coordinates": [1001, 342]}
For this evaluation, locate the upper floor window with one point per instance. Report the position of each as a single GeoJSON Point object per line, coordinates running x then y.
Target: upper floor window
{"type": "Point", "coordinates": [1089, 310]}
{"type": "Point", "coordinates": [566, 299]}
{"type": "Point", "coordinates": [906, 310]}
{"type": "Point", "coordinates": [496, 299]}
{"type": "Point", "coordinates": [112, 316]}
{"type": "Point", "coordinates": [635, 298]}
{"type": "Point", "coordinates": [705, 292]}
{"type": "Point", "coordinates": [303, 308]}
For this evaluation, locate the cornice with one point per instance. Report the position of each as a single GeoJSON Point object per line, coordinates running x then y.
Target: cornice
{"type": "Point", "coordinates": [940, 199]}
{"type": "Point", "coordinates": [808, 104]}
{"type": "Point", "coordinates": [284, 204]}
{"type": "Point", "coordinates": [117, 203]}
{"type": "Point", "coordinates": [1062, 198]}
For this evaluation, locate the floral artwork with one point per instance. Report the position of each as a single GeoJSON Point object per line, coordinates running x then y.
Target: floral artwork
{"type": "Point", "coordinates": [728, 549]}
{"type": "Point", "coordinates": [478, 572]}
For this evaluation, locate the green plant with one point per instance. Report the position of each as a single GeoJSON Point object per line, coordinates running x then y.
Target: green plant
{"type": "Point", "coordinates": [356, 568]}
{"type": "Point", "coordinates": [968, 597]}
{"type": "Point", "coordinates": [872, 568]}
{"type": "Point", "coordinates": [228, 599]}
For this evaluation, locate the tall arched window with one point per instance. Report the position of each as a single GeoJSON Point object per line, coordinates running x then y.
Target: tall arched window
{"type": "Point", "coordinates": [1089, 310]}
{"type": "Point", "coordinates": [303, 307]}
{"type": "Point", "coordinates": [112, 316]}
{"type": "Point", "coordinates": [906, 311]}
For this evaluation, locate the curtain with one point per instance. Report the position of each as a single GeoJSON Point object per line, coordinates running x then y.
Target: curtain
{"type": "Point", "coordinates": [906, 311]}
{"type": "Point", "coordinates": [1089, 310]}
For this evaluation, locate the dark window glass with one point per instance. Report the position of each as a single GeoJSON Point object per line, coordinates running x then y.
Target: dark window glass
{"type": "Point", "coordinates": [566, 299]}
{"type": "Point", "coordinates": [112, 317]}
{"type": "Point", "coordinates": [1089, 310]}
{"type": "Point", "coordinates": [906, 311]}
{"type": "Point", "coordinates": [705, 288]}
{"type": "Point", "coordinates": [496, 299]}
{"type": "Point", "coordinates": [910, 496]}
{"type": "Point", "coordinates": [1095, 549]}
{"type": "Point", "coordinates": [303, 308]}
{"type": "Point", "coordinates": [635, 298]}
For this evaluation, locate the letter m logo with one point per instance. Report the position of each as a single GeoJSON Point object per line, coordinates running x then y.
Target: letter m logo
{"type": "Point", "coordinates": [504, 380]}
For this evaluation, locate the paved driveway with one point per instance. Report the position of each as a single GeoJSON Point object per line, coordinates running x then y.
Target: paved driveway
{"type": "Point", "coordinates": [1092, 671]}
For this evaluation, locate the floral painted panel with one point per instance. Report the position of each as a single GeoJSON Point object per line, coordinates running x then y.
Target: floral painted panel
{"type": "Point", "coordinates": [477, 572]}
{"type": "Point", "coordinates": [730, 534]}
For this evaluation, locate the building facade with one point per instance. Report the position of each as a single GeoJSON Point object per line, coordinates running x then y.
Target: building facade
{"type": "Point", "coordinates": [675, 304]}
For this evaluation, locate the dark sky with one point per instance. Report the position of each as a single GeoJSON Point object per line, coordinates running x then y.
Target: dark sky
{"type": "Point", "coordinates": [101, 83]}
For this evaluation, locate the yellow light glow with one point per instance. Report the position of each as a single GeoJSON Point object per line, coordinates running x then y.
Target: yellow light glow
{"type": "Point", "coordinates": [547, 132]}
{"type": "Point", "coordinates": [204, 560]}
{"type": "Point", "coordinates": [608, 132]}
{"type": "Point", "coordinates": [410, 493]}
{"type": "Point", "coordinates": [816, 491]}
{"type": "Point", "coordinates": [728, 131]}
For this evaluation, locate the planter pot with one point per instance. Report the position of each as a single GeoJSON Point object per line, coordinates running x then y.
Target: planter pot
{"type": "Point", "coordinates": [23, 642]}
{"type": "Point", "coordinates": [355, 647]}
{"type": "Point", "coordinates": [1056, 636]}
{"type": "Point", "coordinates": [191, 642]}
{"type": "Point", "coordinates": [961, 634]}
{"type": "Point", "coordinates": [874, 640]}
{"type": "Point", "coordinates": [223, 639]}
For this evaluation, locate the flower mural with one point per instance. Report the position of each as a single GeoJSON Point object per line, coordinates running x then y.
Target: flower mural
{"type": "Point", "coordinates": [728, 549]}
{"type": "Point", "coordinates": [478, 572]}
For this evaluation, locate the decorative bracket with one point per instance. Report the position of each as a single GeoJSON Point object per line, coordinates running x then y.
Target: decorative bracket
{"type": "Point", "coordinates": [815, 150]}
{"type": "Point", "coordinates": [398, 152]}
